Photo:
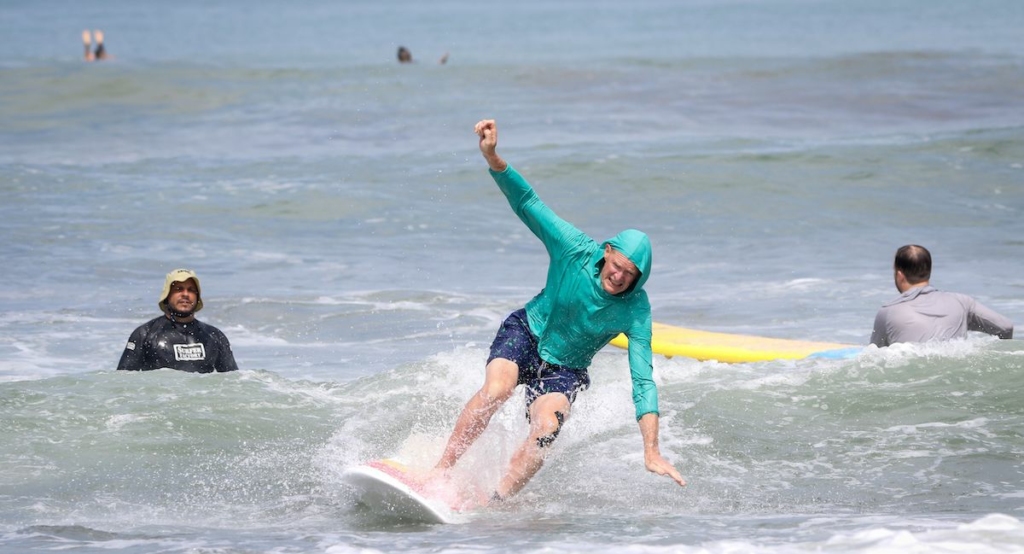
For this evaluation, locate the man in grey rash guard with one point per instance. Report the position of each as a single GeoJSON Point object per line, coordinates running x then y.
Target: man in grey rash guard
{"type": "Point", "coordinates": [177, 339]}
{"type": "Point", "coordinates": [922, 313]}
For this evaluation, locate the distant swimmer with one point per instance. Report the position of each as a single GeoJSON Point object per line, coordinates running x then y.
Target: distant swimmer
{"type": "Point", "coordinates": [101, 51]}
{"type": "Point", "coordinates": [923, 313]}
{"type": "Point", "coordinates": [176, 339]}
{"type": "Point", "coordinates": [594, 292]}
{"type": "Point", "coordinates": [404, 55]}
{"type": "Point", "coordinates": [87, 43]}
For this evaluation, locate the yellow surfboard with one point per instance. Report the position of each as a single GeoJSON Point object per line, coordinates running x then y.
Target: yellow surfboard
{"type": "Point", "coordinates": [669, 340]}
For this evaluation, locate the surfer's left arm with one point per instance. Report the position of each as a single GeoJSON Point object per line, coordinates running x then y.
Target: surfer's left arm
{"type": "Point", "coordinates": [655, 462]}
{"type": "Point", "coordinates": [226, 359]}
{"type": "Point", "coordinates": [641, 367]}
{"type": "Point", "coordinates": [645, 395]}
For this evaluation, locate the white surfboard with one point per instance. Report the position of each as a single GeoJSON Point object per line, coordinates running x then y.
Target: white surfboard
{"type": "Point", "coordinates": [386, 487]}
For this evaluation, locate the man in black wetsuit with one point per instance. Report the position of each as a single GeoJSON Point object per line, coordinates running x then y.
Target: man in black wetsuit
{"type": "Point", "coordinates": [177, 339]}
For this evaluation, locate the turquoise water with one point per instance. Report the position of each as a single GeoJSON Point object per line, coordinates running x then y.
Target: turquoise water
{"type": "Point", "coordinates": [356, 253]}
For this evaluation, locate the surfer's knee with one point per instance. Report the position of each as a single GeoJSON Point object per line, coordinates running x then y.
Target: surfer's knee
{"type": "Point", "coordinates": [546, 440]}
{"type": "Point", "coordinates": [500, 383]}
{"type": "Point", "coordinates": [496, 392]}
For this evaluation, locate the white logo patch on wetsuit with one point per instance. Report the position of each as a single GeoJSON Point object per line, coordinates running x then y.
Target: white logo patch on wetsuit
{"type": "Point", "coordinates": [189, 352]}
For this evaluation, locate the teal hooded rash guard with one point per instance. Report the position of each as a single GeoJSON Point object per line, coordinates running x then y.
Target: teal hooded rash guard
{"type": "Point", "coordinates": [573, 317]}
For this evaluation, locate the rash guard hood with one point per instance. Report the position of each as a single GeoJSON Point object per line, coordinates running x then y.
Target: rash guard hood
{"type": "Point", "coordinates": [637, 247]}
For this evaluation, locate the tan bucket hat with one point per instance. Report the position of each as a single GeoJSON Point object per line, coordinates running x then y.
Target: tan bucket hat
{"type": "Point", "coordinates": [180, 276]}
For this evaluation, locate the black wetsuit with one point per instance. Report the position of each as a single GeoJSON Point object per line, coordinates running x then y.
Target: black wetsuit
{"type": "Point", "coordinates": [194, 346]}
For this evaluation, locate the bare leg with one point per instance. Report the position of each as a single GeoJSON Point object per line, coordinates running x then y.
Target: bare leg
{"type": "Point", "coordinates": [546, 417]}
{"type": "Point", "coordinates": [499, 383]}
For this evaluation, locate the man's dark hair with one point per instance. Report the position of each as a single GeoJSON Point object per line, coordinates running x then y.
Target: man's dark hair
{"type": "Point", "coordinates": [915, 262]}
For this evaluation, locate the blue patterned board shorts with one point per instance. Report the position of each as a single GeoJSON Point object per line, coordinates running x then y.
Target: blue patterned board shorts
{"type": "Point", "coordinates": [515, 342]}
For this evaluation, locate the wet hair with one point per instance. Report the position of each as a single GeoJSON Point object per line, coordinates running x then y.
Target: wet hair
{"type": "Point", "coordinates": [404, 55]}
{"type": "Point", "coordinates": [915, 262]}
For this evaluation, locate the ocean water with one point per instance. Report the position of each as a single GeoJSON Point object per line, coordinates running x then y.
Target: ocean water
{"type": "Point", "coordinates": [353, 248]}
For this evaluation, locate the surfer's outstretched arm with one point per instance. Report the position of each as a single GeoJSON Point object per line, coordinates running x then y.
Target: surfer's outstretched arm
{"type": "Point", "coordinates": [655, 462]}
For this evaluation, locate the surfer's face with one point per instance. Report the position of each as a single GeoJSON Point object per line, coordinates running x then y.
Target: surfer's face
{"type": "Point", "coordinates": [183, 296]}
{"type": "Point", "coordinates": [618, 273]}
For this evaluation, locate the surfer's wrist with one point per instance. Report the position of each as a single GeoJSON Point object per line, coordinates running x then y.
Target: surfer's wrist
{"type": "Point", "coordinates": [495, 162]}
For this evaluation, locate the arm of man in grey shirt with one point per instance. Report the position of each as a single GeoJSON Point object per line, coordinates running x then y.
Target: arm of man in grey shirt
{"type": "Point", "coordinates": [984, 319]}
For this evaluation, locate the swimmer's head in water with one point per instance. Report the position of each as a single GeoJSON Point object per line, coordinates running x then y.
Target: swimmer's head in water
{"type": "Point", "coordinates": [180, 276]}
{"type": "Point", "coordinates": [404, 55]}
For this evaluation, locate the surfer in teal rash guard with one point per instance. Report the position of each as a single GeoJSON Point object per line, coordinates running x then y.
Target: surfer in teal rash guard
{"type": "Point", "coordinates": [593, 292]}
{"type": "Point", "coordinates": [177, 339]}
